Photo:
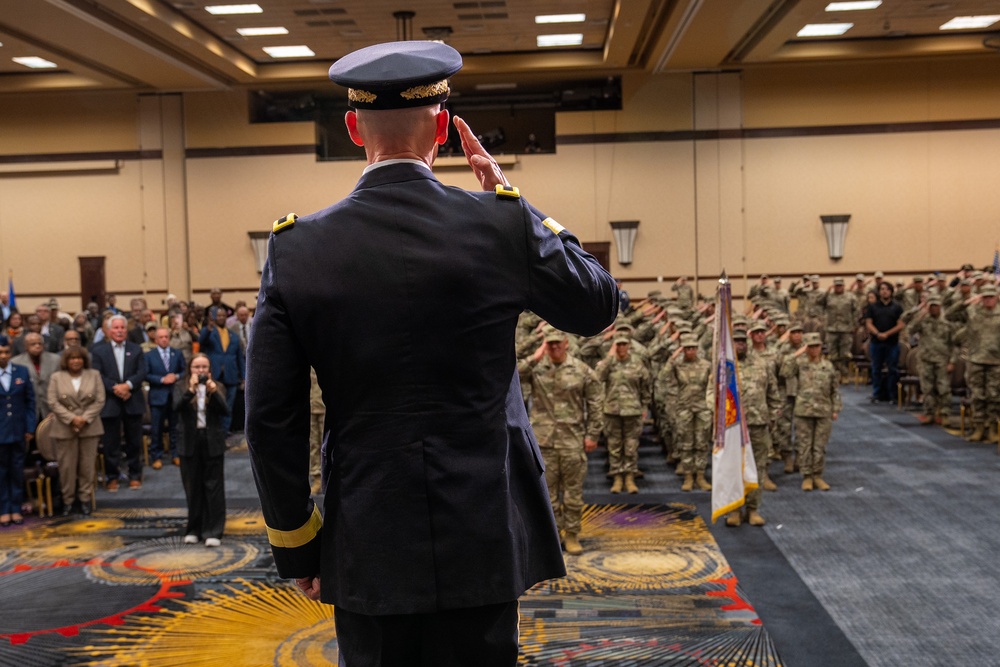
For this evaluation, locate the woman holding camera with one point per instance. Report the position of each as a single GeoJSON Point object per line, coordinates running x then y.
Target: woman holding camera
{"type": "Point", "coordinates": [201, 404]}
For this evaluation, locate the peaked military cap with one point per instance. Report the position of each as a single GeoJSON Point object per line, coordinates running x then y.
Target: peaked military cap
{"type": "Point", "coordinates": [812, 339]}
{"type": "Point", "coordinates": [397, 75]}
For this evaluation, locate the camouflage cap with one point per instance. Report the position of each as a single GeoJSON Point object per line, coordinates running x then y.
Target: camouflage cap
{"type": "Point", "coordinates": [624, 327]}
{"type": "Point", "coordinates": [758, 326]}
{"type": "Point", "coordinates": [918, 279]}
{"type": "Point", "coordinates": [688, 340]}
{"type": "Point", "coordinates": [553, 335]}
{"type": "Point", "coordinates": [739, 334]}
{"type": "Point", "coordinates": [684, 327]}
{"type": "Point", "coordinates": [654, 294]}
{"type": "Point", "coordinates": [814, 277]}
{"type": "Point", "coordinates": [859, 276]}
{"type": "Point", "coordinates": [795, 327]}
{"type": "Point", "coordinates": [621, 337]}
{"type": "Point", "coordinates": [988, 290]}
{"type": "Point", "coordinates": [838, 281]}
{"type": "Point", "coordinates": [879, 274]}
{"type": "Point", "coordinates": [763, 276]}
{"type": "Point", "coordinates": [812, 338]}
{"type": "Point", "coordinates": [934, 300]}
{"type": "Point", "coordinates": [776, 279]}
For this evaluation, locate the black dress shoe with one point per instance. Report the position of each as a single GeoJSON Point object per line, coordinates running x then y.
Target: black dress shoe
{"type": "Point", "coordinates": [67, 510]}
{"type": "Point", "coordinates": [85, 509]}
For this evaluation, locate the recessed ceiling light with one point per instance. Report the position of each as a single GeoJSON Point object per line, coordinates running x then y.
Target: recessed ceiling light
{"type": "Point", "coordinates": [970, 22]}
{"type": "Point", "coordinates": [824, 29]}
{"type": "Point", "coordinates": [561, 18]}
{"type": "Point", "coordinates": [234, 9]}
{"type": "Point", "coordinates": [300, 51]}
{"type": "Point", "coordinates": [560, 40]}
{"type": "Point", "coordinates": [857, 5]}
{"type": "Point", "coordinates": [260, 32]}
{"type": "Point", "coordinates": [35, 62]}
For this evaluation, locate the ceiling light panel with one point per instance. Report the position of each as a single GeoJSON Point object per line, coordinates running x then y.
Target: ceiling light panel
{"type": "Point", "coordinates": [560, 40]}
{"type": "Point", "coordinates": [223, 10]}
{"type": "Point", "coordinates": [34, 62]}
{"type": "Point", "coordinates": [824, 29]}
{"type": "Point", "coordinates": [298, 51]}
{"type": "Point", "coordinates": [261, 32]}
{"type": "Point", "coordinates": [561, 18]}
{"type": "Point", "coordinates": [970, 22]}
{"type": "Point", "coordinates": [859, 5]}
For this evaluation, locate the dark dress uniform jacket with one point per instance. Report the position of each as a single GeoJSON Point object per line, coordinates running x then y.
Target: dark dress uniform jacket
{"type": "Point", "coordinates": [18, 405]}
{"type": "Point", "coordinates": [404, 297]}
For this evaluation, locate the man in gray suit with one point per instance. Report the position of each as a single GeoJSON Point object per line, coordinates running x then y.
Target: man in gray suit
{"type": "Point", "coordinates": [41, 364]}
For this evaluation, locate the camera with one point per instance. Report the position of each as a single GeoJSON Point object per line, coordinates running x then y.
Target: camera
{"type": "Point", "coordinates": [202, 379]}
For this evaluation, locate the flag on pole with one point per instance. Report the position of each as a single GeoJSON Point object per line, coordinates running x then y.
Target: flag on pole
{"type": "Point", "coordinates": [996, 264]}
{"type": "Point", "coordinates": [734, 472]}
{"type": "Point", "coordinates": [11, 299]}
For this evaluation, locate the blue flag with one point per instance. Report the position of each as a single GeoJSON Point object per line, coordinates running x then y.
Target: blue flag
{"type": "Point", "coordinates": [996, 264]}
{"type": "Point", "coordinates": [11, 299]}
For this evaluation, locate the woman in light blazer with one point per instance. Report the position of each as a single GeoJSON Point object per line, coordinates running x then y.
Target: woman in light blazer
{"type": "Point", "coordinates": [76, 397]}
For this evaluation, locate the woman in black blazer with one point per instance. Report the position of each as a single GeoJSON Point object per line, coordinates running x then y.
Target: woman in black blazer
{"type": "Point", "coordinates": [201, 403]}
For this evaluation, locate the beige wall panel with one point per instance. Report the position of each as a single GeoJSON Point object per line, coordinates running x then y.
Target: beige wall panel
{"type": "Point", "coordinates": [47, 222]}
{"type": "Point", "coordinates": [849, 93]}
{"type": "Point", "coordinates": [918, 201]}
{"type": "Point", "coordinates": [219, 119]}
{"type": "Point", "coordinates": [68, 123]}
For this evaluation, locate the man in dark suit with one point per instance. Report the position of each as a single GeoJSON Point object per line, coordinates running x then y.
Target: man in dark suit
{"type": "Point", "coordinates": [41, 364]}
{"type": "Point", "coordinates": [223, 348]}
{"type": "Point", "coordinates": [17, 428]}
{"type": "Point", "coordinates": [122, 366]}
{"type": "Point", "coordinates": [405, 297]}
{"type": "Point", "coordinates": [52, 332]}
{"type": "Point", "coordinates": [166, 367]}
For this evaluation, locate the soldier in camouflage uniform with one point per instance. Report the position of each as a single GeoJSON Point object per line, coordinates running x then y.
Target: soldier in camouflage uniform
{"type": "Point", "coordinates": [787, 387]}
{"type": "Point", "coordinates": [913, 295]}
{"type": "Point", "coordinates": [817, 405]}
{"type": "Point", "coordinates": [683, 383]}
{"type": "Point", "coordinates": [938, 354]}
{"type": "Point", "coordinates": [769, 356]}
{"type": "Point", "coordinates": [811, 313]}
{"type": "Point", "coordinates": [628, 389]}
{"type": "Point", "coordinates": [842, 313]}
{"type": "Point", "coordinates": [761, 402]}
{"type": "Point", "coordinates": [566, 415]}
{"type": "Point", "coordinates": [685, 294]}
{"type": "Point", "coordinates": [981, 336]}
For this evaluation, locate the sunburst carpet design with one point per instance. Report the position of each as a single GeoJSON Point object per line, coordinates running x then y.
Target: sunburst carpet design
{"type": "Point", "coordinates": [121, 589]}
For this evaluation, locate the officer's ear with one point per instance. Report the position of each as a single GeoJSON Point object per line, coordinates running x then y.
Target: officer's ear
{"type": "Point", "coordinates": [351, 120]}
{"type": "Point", "coordinates": [441, 134]}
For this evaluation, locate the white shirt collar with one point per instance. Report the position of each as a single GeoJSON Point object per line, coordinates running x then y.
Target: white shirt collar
{"type": "Point", "coordinates": [401, 160]}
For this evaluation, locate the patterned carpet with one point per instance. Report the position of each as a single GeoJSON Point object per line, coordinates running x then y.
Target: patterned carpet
{"type": "Point", "coordinates": [120, 588]}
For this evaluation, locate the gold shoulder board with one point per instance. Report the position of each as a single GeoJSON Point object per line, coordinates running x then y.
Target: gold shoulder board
{"type": "Point", "coordinates": [284, 223]}
{"type": "Point", "coordinates": [507, 193]}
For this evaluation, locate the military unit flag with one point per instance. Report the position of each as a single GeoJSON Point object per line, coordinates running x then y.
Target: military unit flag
{"type": "Point", "coordinates": [734, 472]}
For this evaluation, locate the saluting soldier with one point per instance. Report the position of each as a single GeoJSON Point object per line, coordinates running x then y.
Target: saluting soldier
{"type": "Point", "coordinates": [566, 416]}
{"type": "Point", "coordinates": [685, 293]}
{"type": "Point", "coordinates": [817, 405]}
{"type": "Point", "coordinates": [761, 403]}
{"type": "Point", "coordinates": [981, 337]}
{"type": "Point", "coordinates": [842, 310]}
{"type": "Point", "coordinates": [437, 511]}
{"type": "Point", "coordinates": [683, 382]}
{"type": "Point", "coordinates": [768, 355]}
{"type": "Point", "coordinates": [628, 389]}
{"type": "Point", "coordinates": [938, 354]}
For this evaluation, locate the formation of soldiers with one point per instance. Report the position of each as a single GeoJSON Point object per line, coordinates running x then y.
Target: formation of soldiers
{"type": "Point", "coordinates": [653, 366]}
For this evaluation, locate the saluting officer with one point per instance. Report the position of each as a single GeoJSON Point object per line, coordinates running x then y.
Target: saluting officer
{"type": "Point", "coordinates": [438, 515]}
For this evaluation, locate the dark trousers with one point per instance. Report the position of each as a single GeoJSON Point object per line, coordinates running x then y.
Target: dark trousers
{"type": "Point", "coordinates": [883, 353]}
{"type": "Point", "coordinates": [11, 477]}
{"type": "Point", "coordinates": [204, 482]}
{"type": "Point", "coordinates": [160, 415]}
{"type": "Point", "coordinates": [227, 420]}
{"type": "Point", "coordinates": [481, 636]}
{"type": "Point", "coordinates": [112, 439]}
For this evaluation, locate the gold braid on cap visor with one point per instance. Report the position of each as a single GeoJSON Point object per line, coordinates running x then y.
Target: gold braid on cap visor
{"type": "Point", "coordinates": [429, 90]}
{"type": "Point", "coordinates": [362, 96]}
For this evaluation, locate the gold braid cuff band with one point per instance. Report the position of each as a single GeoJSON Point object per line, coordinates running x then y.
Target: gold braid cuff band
{"type": "Point", "coordinates": [290, 539]}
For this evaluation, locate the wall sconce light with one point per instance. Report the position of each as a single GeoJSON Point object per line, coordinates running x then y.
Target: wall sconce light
{"type": "Point", "coordinates": [259, 242]}
{"type": "Point", "coordinates": [624, 232]}
{"type": "Point", "coordinates": [835, 227]}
